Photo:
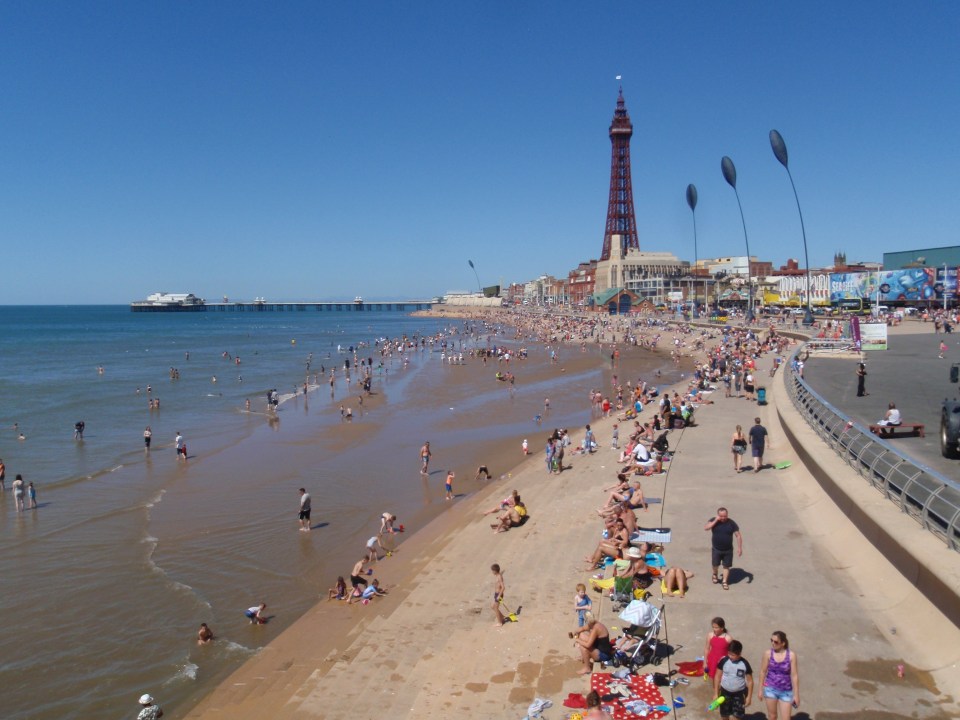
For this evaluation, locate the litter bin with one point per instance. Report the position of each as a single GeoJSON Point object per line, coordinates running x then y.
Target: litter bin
{"type": "Point", "coordinates": [761, 396]}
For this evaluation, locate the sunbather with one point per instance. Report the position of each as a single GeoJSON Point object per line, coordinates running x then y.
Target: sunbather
{"type": "Point", "coordinates": [593, 641]}
{"type": "Point", "coordinates": [513, 517]}
{"type": "Point", "coordinates": [506, 503]}
{"type": "Point", "coordinates": [612, 547]}
{"type": "Point", "coordinates": [674, 581]}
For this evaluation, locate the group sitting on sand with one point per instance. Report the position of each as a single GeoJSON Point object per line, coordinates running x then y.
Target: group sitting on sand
{"type": "Point", "coordinates": [513, 513]}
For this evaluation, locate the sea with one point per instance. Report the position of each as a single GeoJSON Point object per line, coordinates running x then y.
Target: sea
{"type": "Point", "coordinates": [103, 585]}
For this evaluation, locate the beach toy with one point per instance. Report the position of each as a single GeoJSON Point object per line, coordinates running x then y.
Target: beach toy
{"type": "Point", "coordinates": [401, 528]}
{"type": "Point", "coordinates": [716, 703]}
{"type": "Point", "coordinates": [783, 465]}
{"type": "Point", "coordinates": [679, 702]}
{"type": "Point", "coordinates": [369, 571]}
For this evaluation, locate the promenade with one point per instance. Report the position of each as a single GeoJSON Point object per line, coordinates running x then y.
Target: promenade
{"type": "Point", "coordinates": [430, 649]}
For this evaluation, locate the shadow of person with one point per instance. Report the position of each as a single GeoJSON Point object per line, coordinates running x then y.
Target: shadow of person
{"type": "Point", "coordinates": [739, 575]}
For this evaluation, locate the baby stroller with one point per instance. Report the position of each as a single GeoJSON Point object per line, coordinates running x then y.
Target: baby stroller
{"type": "Point", "coordinates": [639, 644]}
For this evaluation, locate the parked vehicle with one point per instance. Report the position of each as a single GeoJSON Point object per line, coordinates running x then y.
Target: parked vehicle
{"type": "Point", "coordinates": [950, 421]}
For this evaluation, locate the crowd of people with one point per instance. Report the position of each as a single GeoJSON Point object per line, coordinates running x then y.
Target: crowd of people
{"type": "Point", "coordinates": [623, 560]}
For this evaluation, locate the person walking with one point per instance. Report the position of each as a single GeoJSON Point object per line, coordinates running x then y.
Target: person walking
{"type": "Point", "coordinates": [716, 646]}
{"type": "Point", "coordinates": [147, 439]}
{"type": "Point", "coordinates": [723, 531]}
{"type": "Point", "coordinates": [181, 446]}
{"type": "Point", "coordinates": [779, 678]}
{"type": "Point", "coordinates": [758, 441]}
{"type": "Point", "coordinates": [18, 492]}
{"type": "Point", "coordinates": [425, 456]}
{"type": "Point", "coordinates": [861, 380]}
{"type": "Point", "coordinates": [3, 476]}
{"type": "Point", "coordinates": [734, 680]}
{"type": "Point", "coordinates": [304, 515]}
{"type": "Point", "coordinates": [738, 446]}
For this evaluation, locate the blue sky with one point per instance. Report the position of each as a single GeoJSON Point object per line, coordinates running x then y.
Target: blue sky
{"type": "Point", "coordinates": [323, 150]}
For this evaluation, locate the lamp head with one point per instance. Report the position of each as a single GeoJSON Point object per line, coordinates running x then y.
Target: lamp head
{"type": "Point", "coordinates": [779, 147]}
{"type": "Point", "coordinates": [729, 171]}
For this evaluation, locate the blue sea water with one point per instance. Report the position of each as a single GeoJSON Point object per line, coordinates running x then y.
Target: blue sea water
{"type": "Point", "coordinates": [49, 375]}
{"type": "Point", "coordinates": [125, 545]}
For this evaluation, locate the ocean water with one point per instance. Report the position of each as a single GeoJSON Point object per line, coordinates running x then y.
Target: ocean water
{"type": "Point", "coordinates": [93, 577]}
{"type": "Point", "coordinates": [104, 585]}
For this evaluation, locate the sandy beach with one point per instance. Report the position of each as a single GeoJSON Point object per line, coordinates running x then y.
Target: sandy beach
{"type": "Point", "coordinates": [430, 648]}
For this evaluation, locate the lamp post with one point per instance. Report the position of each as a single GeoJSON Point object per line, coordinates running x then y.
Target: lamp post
{"type": "Point", "coordinates": [470, 263]}
{"type": "Point", "coordinates": [730, 175]}
{"type": "Point", "coordinates": [780, 152]}
{"type": "Point", "coordinates": [692, 202]}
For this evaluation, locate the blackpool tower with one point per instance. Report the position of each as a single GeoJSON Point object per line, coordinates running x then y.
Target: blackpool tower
{"type": "Point", "coordinates": [621, 227]}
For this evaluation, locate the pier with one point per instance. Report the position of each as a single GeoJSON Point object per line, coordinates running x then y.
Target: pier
{"type": "Point", "coordinates": [264, 306]}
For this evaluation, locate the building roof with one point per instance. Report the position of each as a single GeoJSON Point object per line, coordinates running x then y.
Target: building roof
{"type": "Point", "coordinates": [605, 296]}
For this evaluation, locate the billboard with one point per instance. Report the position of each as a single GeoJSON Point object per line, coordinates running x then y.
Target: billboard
{"type": "Point", "coordinates": [910, 285]}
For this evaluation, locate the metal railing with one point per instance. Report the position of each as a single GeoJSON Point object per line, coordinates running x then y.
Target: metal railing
{"type": "Point", "coordinates": [929, 497]}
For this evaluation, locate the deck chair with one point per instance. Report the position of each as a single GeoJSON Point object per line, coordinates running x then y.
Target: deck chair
{"type": "Point", "coordinates": [622, 593]}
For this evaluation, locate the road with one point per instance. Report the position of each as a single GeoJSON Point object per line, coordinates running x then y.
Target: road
{"type": "Point", "coordinates": [909, 374]}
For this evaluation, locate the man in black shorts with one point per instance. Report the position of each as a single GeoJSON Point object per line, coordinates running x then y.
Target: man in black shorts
{"type": "Point", "coordinates": [723, 531]}
{"type": "Point", "coordinates": [304, 510]}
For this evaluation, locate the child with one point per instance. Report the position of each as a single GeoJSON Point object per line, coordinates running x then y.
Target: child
{"type": "Point", "coordinates": [256, 614]}
{"type": "Point", "coordinates": [498, 590]}
{"type": "Point", "coordinates": [615, 437]}
{"type": "Point", "coordinates": [526, 447]}
{"type": "Point", "coordinates": [581, 603]}
{"type": "Point", "coordinates": [943, 349]}
{"type": "Point", "coordinates": [448, 485]}
{"type": "Point", "coordinates": [363, 596]}
{"type": "Point", "coordinates": [32, 495]}
{"type": "Point", "coordinates": [372, 544]}
{"type": "Point", "coordinates": [338, 591]}
{"type": "Point", "coordinates": [734, 680]}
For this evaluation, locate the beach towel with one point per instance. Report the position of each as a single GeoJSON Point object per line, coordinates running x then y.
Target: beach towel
{"type": "Point", "coordinates": [640, 695]}
{"type": "Point", "coordinates": [692, 668]}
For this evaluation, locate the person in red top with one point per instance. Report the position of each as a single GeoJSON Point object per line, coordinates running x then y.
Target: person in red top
{"type": "Point", "coordinates": [716, 646]}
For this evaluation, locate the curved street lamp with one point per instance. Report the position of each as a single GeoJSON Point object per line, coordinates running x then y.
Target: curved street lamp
{"type": "Point", "coordinates": [479, 287]}
{"type": "Point", "coordinates": [730, 175]}
{"type": "Point", "coordinates": [780, 151]}
{"type": "Point", "coordinates": [692, 202]}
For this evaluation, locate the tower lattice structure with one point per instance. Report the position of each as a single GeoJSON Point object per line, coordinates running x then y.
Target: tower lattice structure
{"type": "Point", "coordinates": [621, 222]}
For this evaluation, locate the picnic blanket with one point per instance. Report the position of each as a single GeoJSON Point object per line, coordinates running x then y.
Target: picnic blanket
{"type": "Point", "coordinates": [642, 695]}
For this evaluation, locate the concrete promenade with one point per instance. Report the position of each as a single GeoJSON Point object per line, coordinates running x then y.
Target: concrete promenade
{"type": "Point", "coordinates": [430, 650]}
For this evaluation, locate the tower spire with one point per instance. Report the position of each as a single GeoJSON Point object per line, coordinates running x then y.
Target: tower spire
{"type": "Point", "coordinates": [621, 227]}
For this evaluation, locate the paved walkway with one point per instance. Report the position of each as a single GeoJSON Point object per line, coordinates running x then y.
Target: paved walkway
{"type": "Point", "coordinates": [430, 650]}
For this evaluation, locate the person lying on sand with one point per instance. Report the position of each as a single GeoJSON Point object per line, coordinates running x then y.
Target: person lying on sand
{"type": "Point", "coordinates": [507, 502]}
{"type": "Point", "coordinates": [674, 581]}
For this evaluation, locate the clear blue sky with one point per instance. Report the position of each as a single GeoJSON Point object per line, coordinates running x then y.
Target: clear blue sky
{"type": "Point", "coordinates": [324, 150]}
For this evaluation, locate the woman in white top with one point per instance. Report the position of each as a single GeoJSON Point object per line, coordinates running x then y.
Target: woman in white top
{"type": "Point", "coordinates": [891, 417]}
